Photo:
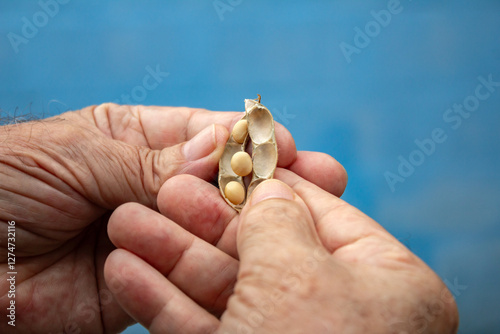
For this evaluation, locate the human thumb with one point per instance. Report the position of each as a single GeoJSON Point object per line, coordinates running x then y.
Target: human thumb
{"type": "Point", "coordinates": [275, 227]}
{"type": "Point", "coordinates": [135, 174]}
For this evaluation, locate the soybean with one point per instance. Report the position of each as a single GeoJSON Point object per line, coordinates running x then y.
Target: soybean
{"type": "Point", "coordinates": [240, 131]}
{"type": "Point", "coordinates": [241, 163]}
{"type": "Point", "coordinates": [235, 192]}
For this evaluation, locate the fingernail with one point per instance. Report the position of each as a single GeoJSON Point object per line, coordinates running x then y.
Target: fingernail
{"type": "Point", "coordinates": [271, 189]}
{"type": "Point", "coordinates": [200, 145]}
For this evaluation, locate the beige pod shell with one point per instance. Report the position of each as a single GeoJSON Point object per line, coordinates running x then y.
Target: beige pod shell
{"type": "Point", "coordinates": [257, 125]}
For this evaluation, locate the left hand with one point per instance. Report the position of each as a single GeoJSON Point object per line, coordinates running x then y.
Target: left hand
{"type": "Point", "coordinates": [61, 177]}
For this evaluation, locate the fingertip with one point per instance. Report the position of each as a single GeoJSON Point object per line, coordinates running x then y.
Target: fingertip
{"type": "Point", "coordinates": [221, 135]}
{"type": "Point", "coordinates": [111, 262]}
{"type": "Point", "coordinates": [322, 170]}
{"type": "Point", "coordinates": [116, 220]}
{"type": "Point", "coordinates": [121, 271]}
{"type": "Point", "coordinates": [125, 221]}
{"type": "Point", "coordinates": [287, 150]}
{"type": "Point", "coordinates": [172, 193]}
{"type": "Point", "coordinates": [271, 189]}
{"type": "Point", "coordinates": [201, 211]}
{"type": "Point", "coordinates": [114, 267]}
{"type": "Point", "coordinates": [275, 217]}
{"type": "Point", "coordinates": [123, 212]}
{"type": "Point", "coordinates": [202, 152]}
{"type": "Point", "coordinates": [151, 299]}
{"type": "Point", "coordinates": [339, 175]}
{"type": "Point", "coordinates": [201, 145]}
{"type": "Point", "coordinates": [168, 189]}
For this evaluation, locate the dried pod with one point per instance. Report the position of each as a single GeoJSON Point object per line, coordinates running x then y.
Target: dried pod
{"type": "Point", "coordinates": [257, 125]}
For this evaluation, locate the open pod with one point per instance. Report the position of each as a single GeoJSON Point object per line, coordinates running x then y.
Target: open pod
{"type": "Point", "coordinates": [254, 133]}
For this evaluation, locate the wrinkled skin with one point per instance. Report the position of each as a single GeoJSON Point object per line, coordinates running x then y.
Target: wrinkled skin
{"type": "Point", "coordinates": [296, 260]}
{"type": "Point", "coordinates": [60, 179]}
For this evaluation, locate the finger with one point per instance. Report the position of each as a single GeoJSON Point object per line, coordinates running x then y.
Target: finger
{"type": "Point", "coordinates": [181, 124]}
{"type": "Point", "coordinates": [338, 223]}
{"type": "Point", "coordinates": [274, 221]}
{"type": "Point", "coordinates": [113, 173]}
{"type": "Point", "coordinates": [115, 318]}
{"type": "Point", "coordinates": [199, 156]}
{"type": "Point", "coordinates": [204, 213]}
{"type": "Point", "coordinates": [203, 272]}
{"type": "Point", "coordinates": [284, 140]}
{"type": "Point", "coordinates": [152, 126]}
{"type": "Point", "coordinates": [151, 299]}
{"type": "Point", "coordinates": [159, 127]}
{"type": "Point", "coordinates": [322, 170]}
{"type": "Point", "coordinates": [275, 217]}
{"type": "Point", "coordinates": [279, 253]}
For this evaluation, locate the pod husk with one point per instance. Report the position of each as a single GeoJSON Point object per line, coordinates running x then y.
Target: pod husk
{"type": "Point", "coordinates": [263, 147]}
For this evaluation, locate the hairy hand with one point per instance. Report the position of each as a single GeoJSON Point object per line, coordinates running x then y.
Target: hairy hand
{"type": "Point", "coordinates": [297, 260]}
{"type": "Point", "coordinates": [60, 178]}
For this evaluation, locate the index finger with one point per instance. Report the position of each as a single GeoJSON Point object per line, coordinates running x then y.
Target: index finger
{"type": "Point", "coordinates": [159, 127]}
{"type": "Point", "coordinates": [178, 124]}
{"type": "Point", "coordinates": [337, 222]}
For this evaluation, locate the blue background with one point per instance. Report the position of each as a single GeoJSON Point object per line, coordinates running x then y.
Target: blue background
{"type": "Point", "coordinates": [366, 112]}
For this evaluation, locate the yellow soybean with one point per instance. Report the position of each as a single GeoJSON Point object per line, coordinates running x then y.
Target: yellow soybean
{"type": "Point", "coordinates": [235, 192]}
{"type": "Point", "coordinates": [240, 131]}
{"type": "Point", "coordinates": [241, 163]}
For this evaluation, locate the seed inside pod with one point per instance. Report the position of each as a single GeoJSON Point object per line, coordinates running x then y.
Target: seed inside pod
{"type": "Point", "coordinates": [235, 192]}
{"type": "Point", "coordinates": [240, 131]}
{"type": "Point", "coordinates": [241, 172]}
{"type": "Point", "coordinates": [241, 163]}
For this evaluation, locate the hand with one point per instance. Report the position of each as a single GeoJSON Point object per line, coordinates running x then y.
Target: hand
{"type": "Point", "coordinates": [308, 263]}
{"type": "Point", "coordinates": [61, 177]}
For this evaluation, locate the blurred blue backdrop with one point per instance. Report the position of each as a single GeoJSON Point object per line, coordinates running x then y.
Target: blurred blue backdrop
{"type": "Point", "coordinates": [364, 81]}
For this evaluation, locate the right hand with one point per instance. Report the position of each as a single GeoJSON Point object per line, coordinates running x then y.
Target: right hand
{"type": "Point", "coordinates": [308, 263]}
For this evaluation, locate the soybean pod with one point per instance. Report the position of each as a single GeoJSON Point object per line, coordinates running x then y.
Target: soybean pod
{"type": "Point", "coordinates": [253, 133]}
